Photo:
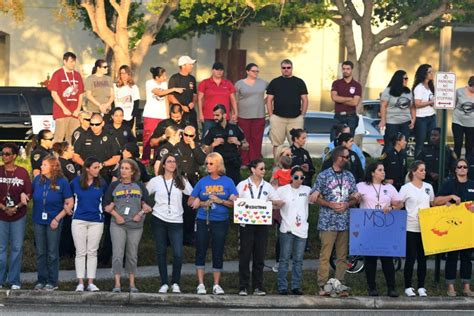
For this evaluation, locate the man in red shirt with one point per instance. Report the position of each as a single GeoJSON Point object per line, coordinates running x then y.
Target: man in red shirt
{"type": "Point", "coordinates": [212, 91]}
{"type": "Point", "coordinates": [346, 94]}
{"type": "Point", "coordinates": [66, 88]}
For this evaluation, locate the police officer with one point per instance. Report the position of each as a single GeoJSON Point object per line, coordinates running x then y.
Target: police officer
{"type": "Point", "coordinates": [430, 155]}
{"type": "Point", "coordinates": [120, 132]}
{"type": "Point", "coordinates": [176, 119]}
{"type": "Point", "coordinates": [84, 121]}
{"type": "Point", "coordinates": [43, 148]}
{"type": "Point", "coordinates": [226, 139]}
{"type": "Point", "coordinates": [354, 165]}
{"type": "Point", "coordinates": [172, 137]}
{"type": "Point", "coordinates": [395, 161]}
{"type": "Point", "coordinates": [300, 156]}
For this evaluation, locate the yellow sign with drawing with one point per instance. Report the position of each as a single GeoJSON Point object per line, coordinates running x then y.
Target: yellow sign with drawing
{"type": "Point", "coordinates": [447, 228]}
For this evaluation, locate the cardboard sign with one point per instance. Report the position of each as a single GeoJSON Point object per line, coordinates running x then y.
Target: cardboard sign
{"type": "Point", "coordinates": [373, 233]}
{"type": "Point", "coordinates": [40, 122]}
{"type": "Point", "coordinates": [447, 228]}
{"type": "Point", "coordinates": [252, 212]}
{"type": "Point", "coordinates": [445, 97]}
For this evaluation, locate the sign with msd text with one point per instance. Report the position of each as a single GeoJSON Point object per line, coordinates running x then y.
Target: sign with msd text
{"type": "Point", "coordinates": [445, 95]}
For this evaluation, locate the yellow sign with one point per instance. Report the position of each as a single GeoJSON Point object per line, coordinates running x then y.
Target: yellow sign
{"type": "Point", "coordinates": [447, 228]}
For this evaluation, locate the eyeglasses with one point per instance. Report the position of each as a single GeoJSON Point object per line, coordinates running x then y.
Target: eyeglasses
{"type": "Point", "coordinates": [405, 78]}
{"type": "Point", "coordinates": [261, 169]}
{"type": "Point", "coordinates": [96, 124]}
{"type": "Point", "coordinates": [345, 157]}
{"type": "Point", "coordinates": [295, 177]}
{"type": "Point", "coordinates": [6, 154]}
{"type": "Point", "coordinates": [188, 135]}
{"type": "Point", "coordinates": [209, 163]}
{"type": "Point", "coordinates": [461, 167]}
{"type": "Point", "coordinates": [289, 67]}
{"type": "Point", "coordinates": [255, 71]}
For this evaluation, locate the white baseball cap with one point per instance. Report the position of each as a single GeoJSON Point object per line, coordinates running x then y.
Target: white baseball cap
{"type": "Point", "coordinates": [183, 60]}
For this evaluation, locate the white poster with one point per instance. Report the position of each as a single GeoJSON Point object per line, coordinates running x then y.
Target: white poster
{"type": "Point", "coordinates": [40, 122]}
{"type": "Point", "coordinates": [252, 212]}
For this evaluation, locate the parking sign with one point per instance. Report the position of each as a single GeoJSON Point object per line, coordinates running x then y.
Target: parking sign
{"type": "Point", "coordinates": [445, 93]}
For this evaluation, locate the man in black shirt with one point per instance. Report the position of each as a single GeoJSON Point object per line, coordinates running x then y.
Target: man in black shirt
{"type": "Point", "coordinates": [287, 103]}
{"type": "Point", "coordinates": [226, 138]}
{"type": "Point", "coordinates": [176, 119]}
{"type": "Point", "coordinates": [184, 79]}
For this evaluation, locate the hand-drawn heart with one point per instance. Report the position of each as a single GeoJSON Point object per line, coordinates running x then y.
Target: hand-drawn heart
{"type": "Point", "coordinates": [264, 220]}
{"type": "Point", "coordinates": [253, 221]}
{"type": "Point", "coordinates": [236, 215]}
{"type": "Point", "coordinates": [267, 213]}
{"type": "Point", "coordinates": [245, 215]}
{"type": "Point", "coordinates": [246, 219]}
{"type": "Point", "coordinates": [261, 212]}
{"type": "Point", "coordinates": [263, 216]}
{"type": "Point", "coordinates": [256, 212]}
{"type": "Point", "coordinates": [257, 217]}
{"type": "Point", "coordinates": [241, 212]}
{"type": "Point", "coordinates": [356, 234]}
{"type": "Point", "coordinates": [241, 218]}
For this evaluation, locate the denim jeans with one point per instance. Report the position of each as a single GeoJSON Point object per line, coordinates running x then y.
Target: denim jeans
{"type": "Point", "coordinates": [465, 270]}
{"type": "Point", "coordinates": [393, 129]}
{"type": "Point", "coordinates": [162, 231]}
{"type": "Point", "coordinates": [423, 128]}
{"type": "Point", "coordinates": [47, 253]}
{"type": "Point", "coordinates": [217, 232]}
{"type": "Point", "coordinates": [352, 120]}
{"type": "Point", "coordinates": [290, 245]}
{"type": "Point", "coordinates": [11, 233]}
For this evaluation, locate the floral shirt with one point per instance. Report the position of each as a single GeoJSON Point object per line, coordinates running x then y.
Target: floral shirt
{"type": "Point", "coordinates": [334, 187]}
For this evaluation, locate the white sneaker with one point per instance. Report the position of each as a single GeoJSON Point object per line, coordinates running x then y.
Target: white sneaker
{"type": "Point", "coordinates": [275, 267]}
{"type": "Point", "coordinates": [217, 290]}
{"type": "Point", "coordinates": [201, 289]}
{"type": "Point", "coordinates": [163, 289]}
{"type": "Point", "coordinates": [16, 287]}
{"type": "Point", "coordinates": [92, 288]}
{"type": "Point", "coordinates": [410, 292]}
{"type": "Point", "coordinates": [80, 288]}
{"type": "Point", "coordinates": [422, 292]}
{"type": "Point", "coordinates": [175, 288]}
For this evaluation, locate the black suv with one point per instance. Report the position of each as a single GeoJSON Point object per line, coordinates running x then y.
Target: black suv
{"type": "Point", "coordinates": [17, 105]}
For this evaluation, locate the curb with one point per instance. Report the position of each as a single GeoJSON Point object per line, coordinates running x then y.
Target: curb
{"type": "Point", "coordinates": [233, 301]}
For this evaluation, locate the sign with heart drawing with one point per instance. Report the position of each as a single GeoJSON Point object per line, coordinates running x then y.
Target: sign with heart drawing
{"type": "Point", "coordinates": [252, 212]}
{"type": "Point", "coordinates": [374, 233]}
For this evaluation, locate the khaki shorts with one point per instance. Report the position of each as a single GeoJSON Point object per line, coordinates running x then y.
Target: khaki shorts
{"type": "Point", "coordinates": [64, 128]}
{"type": "Point", "coordinates": [280, 128]}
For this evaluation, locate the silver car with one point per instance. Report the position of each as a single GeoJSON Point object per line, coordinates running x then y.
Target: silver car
{"type": "Point", "coordinates": [318, 125]}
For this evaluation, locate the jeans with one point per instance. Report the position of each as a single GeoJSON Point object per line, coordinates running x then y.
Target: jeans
{"type": "Point", "coordinates": [47, 253]}
{"type": "Point", "coordinates": [393, 129]}
{"type": "Point", "coordinates": [253, 244]}
{"type": "Point", "coordinates": [465, 270]}
{"type": "Point", "coordinates": [290, 245]}
{"type": "Point", "coordinates": [423, 128]}
{"type": "Point", "coordinates": [217, 232]}
{"type": "Point", "coordinates": [11, 233]}
{"type": "Point", "coordinates": [207, 126]}
{"type": "Point", "coordinates": [371, 269]}
{"type": "Point", "coordinates": [414, 251]}
{"type": "Point", "coordinates": [352, 120]}
{"type": "Point", "coordinates": [459, 132]}
{"type": "Point", "coordinates": [162, 231]}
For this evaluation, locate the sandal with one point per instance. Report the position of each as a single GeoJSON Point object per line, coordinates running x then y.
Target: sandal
{"type": "Point", "coordinates": [468, 293]}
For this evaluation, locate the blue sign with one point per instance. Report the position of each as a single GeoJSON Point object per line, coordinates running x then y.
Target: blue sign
{"type": "Point", "coordinates": [374, 233]}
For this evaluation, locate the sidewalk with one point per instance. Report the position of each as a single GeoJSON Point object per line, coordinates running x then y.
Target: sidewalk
{"type": "Point", "coordinates": [188, 269]}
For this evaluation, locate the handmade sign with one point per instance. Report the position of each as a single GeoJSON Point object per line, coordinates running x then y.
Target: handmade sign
{"type": "Point", "coordinates": [252, 212]}
{"type": "Point", "coordinates": [447, 228]}
{"type": "Point", "coordinates": [374, 233]}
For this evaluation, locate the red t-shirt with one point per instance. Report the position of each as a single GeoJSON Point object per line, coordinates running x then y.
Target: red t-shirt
{"type": "Point", "coordinates": [215, 94]}
{"type": "Point", "coordinates": [345, 89]}
{"type": "Point", "coordinates": [69, 88]}
{"type": "Point", "coordinates": [13, 184]}
{"type": "Point", "coordinates": [283, 176]}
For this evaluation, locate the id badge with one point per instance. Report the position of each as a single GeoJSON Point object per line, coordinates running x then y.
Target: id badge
{"type": "Point", "coordinates": [44, 216]}
{"type": "Point", "coordinates": [127, 210]}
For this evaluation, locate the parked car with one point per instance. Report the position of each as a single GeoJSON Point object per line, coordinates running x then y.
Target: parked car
{"type": "Point", "coordinates": [318, 125]}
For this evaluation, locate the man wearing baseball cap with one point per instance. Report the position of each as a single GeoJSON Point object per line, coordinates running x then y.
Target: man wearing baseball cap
{"type": "Point", "coordinates": [184, 79]}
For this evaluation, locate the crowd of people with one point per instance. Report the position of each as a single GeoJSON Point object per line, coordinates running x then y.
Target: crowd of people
{"type": "Point", "coordinates": [91, 189]}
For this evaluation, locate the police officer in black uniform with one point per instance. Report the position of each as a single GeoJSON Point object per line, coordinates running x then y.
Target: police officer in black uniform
{"type": "Point", "coordinates": [84, 121]}
{"type": "Point", "coordinates": [395, 161]}
{"type": "Point", "coordinates": [172, 138]}
{"type": "Point", "coordinates": [176, 119]}
{"type": "Point", "coordinates": [226, 139]}
{"type": "Point", "coordinates": [120, 132]}
{"type": "Point", "coordinates": [354, 165]}
{"type": "Point", "coordinates": [43, 148]}
{"type": "Point", "coordinates": [300, 156]}
{"type": "Point", "coordinates": [430, 155]}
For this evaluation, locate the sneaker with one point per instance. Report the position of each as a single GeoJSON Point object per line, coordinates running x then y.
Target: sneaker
{"type": "Point", "coordinates": [201, 289]}
{"type": "Point", "coordinates": [392, 293]}
{"type": "Point", "coordinates": [116, 290]}
{"type": "Point", "coordinates": [259, 292]}
{"type": "Point", "coordinates": [80, 288]}
{"type": "Point", "coordinates": [92, 288]}
{"type": "Point", "coordinates": [163, 289]}
{"type": "Point", "coordinates": [38, 287]}
{"type": "Point", "coordinates": [275, 267]}
{"type": "Point", "coordinates": [373, 292]}
{"type": "Point", "coordinates": [50, 287]}
{"type": "Point", "coordinates": [243, 292]}
{"type": "Point", "coordinates": [283, 292]}
{"type": "Point", "coordinates": [422, 292]}
{"type": "Point", "coordinates": [296, 291]}
{"type": "Point", "coordinates": [175, 288]}
{"type": "Point", "coordinates": [410, 292]}
{"type": "Point", "coordinates": [15, 287]}
{"type": "Point", "coordinates": [134, 290]}
{"type": "Point", "coordinates": [217, 290]}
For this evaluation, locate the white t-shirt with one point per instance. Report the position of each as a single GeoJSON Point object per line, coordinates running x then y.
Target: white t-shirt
{"type": "Point", "coordinates": [124, 98]}
{"type": "Point", "coordinates": [294, 213]}
{"type": "Point", "coordinates": [155, 106]}
{"type": "Point", "coordinates": [173, 213]}
{"type": "Point", "coordinates": [264, 191]}
{"type": "Point", "coordinates": [416, 199]}
{"type": "Point", "coordinates": [423, 94]}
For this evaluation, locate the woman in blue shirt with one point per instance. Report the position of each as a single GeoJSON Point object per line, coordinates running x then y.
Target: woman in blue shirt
{"type": "Point", "coordinates": [52, 200]}
{"type": "Point", "coordinates": [213, 196]}
{"type": "Point", "coordinates": [87, 221]}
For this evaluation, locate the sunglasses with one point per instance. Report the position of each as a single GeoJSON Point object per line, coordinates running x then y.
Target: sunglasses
{"type": "Point", "coordinates": [209, 163]}
{"type": "Point", "coordinates": [285, 67]}
{"type": "Point", "coordinates": [405, 78]}
{"type": "Point", "coordinates": [298, 177]}
{"type": "Point", "coordinates": [87, 119]}
{"type": "Point", "coordinates": [7, 154]}
{"type": "Point", "coordinates": [461, 167]}
{"type": "Point", "coordinates": [345, 157]}
{"type": "Point", "coordinates": [261, 169]}
{"type": "Point", "coordinates": [105, 67]}
{"type": "Point", "coordinates": [96, 124]}
{"type": "Point", "coordinates": [188, 135]}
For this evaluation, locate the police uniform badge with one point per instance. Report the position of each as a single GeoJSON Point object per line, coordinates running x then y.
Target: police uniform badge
{"type": "Point", "coordinates": [76, 135]}
{"type": "Point", "coordinates": [104, 138]}
{"type": "Point", "coordinates": [36, 157]}
{"type": "Point", "coordinates": [163, 152]}
{"type": "Point", "coordinates": [231, 132]}
{"type": "Point", "coordinates": [70, 168]}
{"type": "Point", "coordinates": [383, 156]}
{"type": "Point", "coordinates": [125, 133]}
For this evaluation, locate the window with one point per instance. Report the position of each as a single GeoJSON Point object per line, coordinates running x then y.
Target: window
{"type": "Point", "coordinates": [12, 105]}
{"type": "Point", "coordinates": [318, 125]}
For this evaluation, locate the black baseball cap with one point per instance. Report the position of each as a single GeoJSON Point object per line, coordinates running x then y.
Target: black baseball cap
{"type": "Point", "coordinates": [218, 66]}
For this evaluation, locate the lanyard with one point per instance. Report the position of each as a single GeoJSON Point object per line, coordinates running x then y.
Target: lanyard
{"type": "Point", "coordinates": [67, 78]}
{"type": "Point", "coordinates": [377, 193]}
{"type": "Point", "coordinates": [169, 192]}
{"type": "Point", "coordinates": [127, 187]}
{"type": "Point", "coordinates": [45, 195]}
{"type": "Point", "coordinates": [259, 192]}
{"type": "Point", "coordinates": [8, 182]}
{"type": "Point", "coordinates": [339, 181]}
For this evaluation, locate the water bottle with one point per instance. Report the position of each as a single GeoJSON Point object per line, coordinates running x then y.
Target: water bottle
{"type": "Point", "coordinates": [22, 152]}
